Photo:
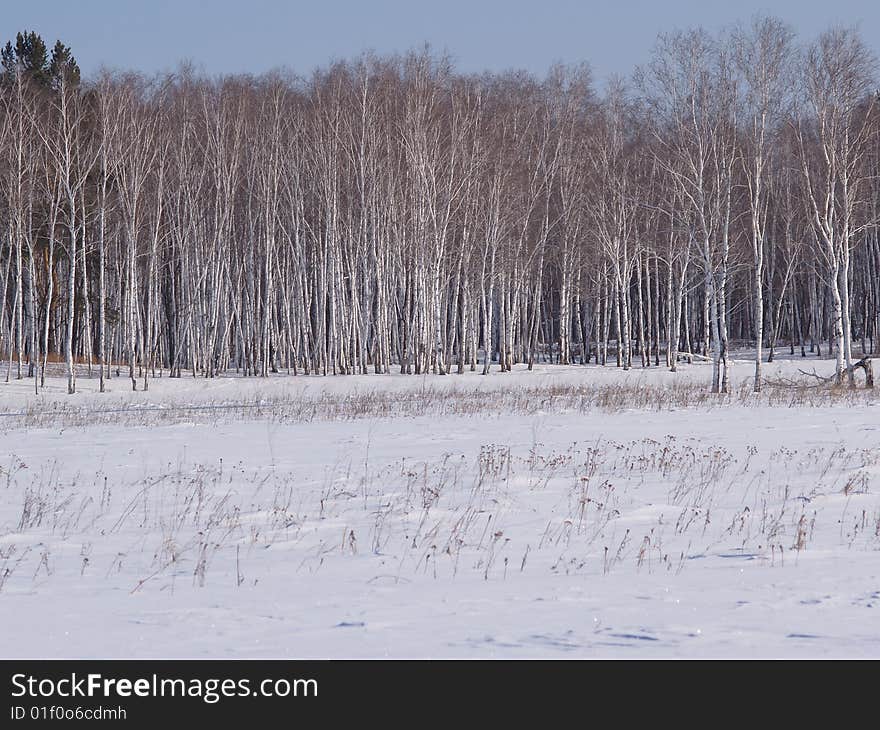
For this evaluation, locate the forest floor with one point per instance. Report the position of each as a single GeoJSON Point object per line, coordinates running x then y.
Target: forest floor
{"type": "Point", "coordinates": [565, 512]}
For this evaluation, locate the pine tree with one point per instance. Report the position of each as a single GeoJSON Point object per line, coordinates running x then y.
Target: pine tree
{"type": "Point", "coordinates": [29, 54]}
{"type": "Point", "coordinates": [63, 65]}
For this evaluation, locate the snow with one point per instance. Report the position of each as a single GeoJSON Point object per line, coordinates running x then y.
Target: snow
{"type": "Point", "coordinates": [174, 524]}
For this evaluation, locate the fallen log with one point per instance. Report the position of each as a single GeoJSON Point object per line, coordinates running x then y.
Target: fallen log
{"type": "Point", "coordinates": [863, 364]}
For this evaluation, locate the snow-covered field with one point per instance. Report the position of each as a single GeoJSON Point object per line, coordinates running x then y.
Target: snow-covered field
{"type": "Point", "coordinates": [565, 512]}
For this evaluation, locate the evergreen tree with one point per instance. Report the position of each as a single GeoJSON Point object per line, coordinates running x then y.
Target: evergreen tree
{"type": "Point", "coordinates": [63, 66]}
{"type": "Point", "coordinates": [29, 54]}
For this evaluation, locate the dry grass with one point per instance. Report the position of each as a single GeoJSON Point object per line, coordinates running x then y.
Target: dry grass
{"type": "Point", "coordinates": [449, 516]}
{"type": "Point", "coordinates": [436, 402]}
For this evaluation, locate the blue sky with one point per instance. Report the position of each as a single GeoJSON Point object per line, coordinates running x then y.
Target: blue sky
{"type": "Point", "coordinates": [256, 35]}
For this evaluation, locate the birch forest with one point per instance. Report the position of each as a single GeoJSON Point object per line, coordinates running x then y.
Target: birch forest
{"type": "Point", "coordinates": [391, 214]}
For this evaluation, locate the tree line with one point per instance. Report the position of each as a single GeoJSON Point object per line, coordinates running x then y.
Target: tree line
{"type": "Point", "coordinates": [392, 213]}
